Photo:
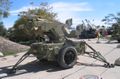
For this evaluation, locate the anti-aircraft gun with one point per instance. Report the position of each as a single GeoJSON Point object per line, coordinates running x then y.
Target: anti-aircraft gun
{"type": "Point", "coordinates": [88, 32]}
{"type": "Point", "coordinates": [56, 46]}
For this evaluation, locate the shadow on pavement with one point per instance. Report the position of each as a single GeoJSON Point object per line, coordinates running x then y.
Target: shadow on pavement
{"type": "Point", "coordinates": [112, 42]}
{"type": "Point", "coordinates": [89, 64]}
{"type": "Point", "coordinates": [33, 67]}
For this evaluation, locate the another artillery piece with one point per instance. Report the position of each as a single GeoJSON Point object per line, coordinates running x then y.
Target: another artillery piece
{"type": "Point", "coordinates": [55, 46]}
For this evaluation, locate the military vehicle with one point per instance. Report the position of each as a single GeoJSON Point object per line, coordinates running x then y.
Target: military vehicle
{"type": "Point", "coordinates": [86, 31]}
{"type": "Point", "coordinates": [56, 46]}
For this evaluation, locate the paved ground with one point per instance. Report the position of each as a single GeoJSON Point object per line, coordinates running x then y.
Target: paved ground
{"type": "Point", "coordinates": [31, 69]}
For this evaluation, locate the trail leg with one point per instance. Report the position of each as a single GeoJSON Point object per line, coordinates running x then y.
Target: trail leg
{"type": "Point", "coordinates": [13, 70]}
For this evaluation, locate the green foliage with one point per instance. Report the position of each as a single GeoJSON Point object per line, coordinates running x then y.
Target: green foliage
{"type": "Point", "coordinates": [24, 28]}
{"type": "Point", "coordinates": [3, 31]}
{"type": "Point", "coordinates": [116, 29]}
{"type": "Point", "coordinates": [112, 18]}
{"type": "Point", "coordinates": [44, 11]}
{"type": "Point", "coordinates": [114, 21]}
{"type": "Point", "coordinates": [4, 7]}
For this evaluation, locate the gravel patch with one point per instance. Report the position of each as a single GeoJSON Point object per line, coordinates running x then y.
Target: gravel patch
{"type": "Point", "coordinates": [11, 47]}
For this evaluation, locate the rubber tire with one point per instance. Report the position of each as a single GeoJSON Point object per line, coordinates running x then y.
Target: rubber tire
{"type": "Point", "coordinates": [61, 55]}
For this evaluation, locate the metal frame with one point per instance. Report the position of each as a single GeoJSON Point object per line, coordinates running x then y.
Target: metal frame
{"type": "Point", "coordinates": [96, 55]}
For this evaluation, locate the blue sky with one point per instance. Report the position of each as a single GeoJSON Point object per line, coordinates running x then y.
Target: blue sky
{"type": "Point", "coordinates": [76, 9]}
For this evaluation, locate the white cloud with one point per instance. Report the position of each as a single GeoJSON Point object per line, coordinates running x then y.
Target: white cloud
{"type": "Point", "coordinates": [77, 7]}
{"type": "Point", "coordinates": [65, 10]}
{"type": "Point", "coordinates": [70, 10]}
{"type": "Point", "coordinates": [25, 8]}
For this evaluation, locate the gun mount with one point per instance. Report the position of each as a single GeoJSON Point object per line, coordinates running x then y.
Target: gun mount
{"type": "Point", "coordinates": [59, 48]}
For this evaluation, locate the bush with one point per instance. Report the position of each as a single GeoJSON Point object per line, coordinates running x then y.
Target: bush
{"type": "Point", "coordinates": [3, 30]}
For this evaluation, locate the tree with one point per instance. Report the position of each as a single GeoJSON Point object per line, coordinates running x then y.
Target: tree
{"type": "Point", "coordinates": [3, 31]}
{"type": "Point", "coordinates": [44, 11]}
{"type": "Point", "coordinates": [112, 18]}
{"type": "Point", "coordinates": [114, 21]}
{"type": "Point", "coordinates": [24, 27]}
{"type": "Point", "coordinates": [4, 8]}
